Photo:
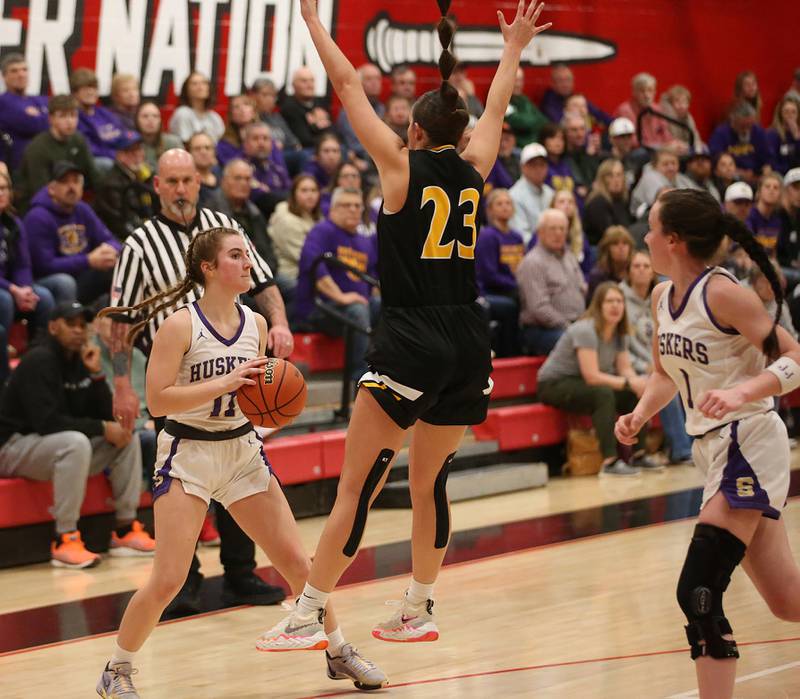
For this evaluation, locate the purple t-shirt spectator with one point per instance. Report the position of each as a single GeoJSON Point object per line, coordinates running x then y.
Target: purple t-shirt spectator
{"type": "Point", "coordinates": [314, 169]}
{"type": "Point", "coordinates": [15, 258]}
{"type": "Point", "coordinates": [101, 130]}
{"type": "Point", "coordinates": [272, 174]}
{"type": "Point", "coordinates": [353, 248]}
{"type": "Point", "coordinates": [767, 230]}
{"type": "Point", "coordinates": [60, 241]}
{"type": "Point", "coordinates": [497, 255]}
{"type": "Point", "coordinates": [749, 155]}
{"type": "Point", "coordinates": [22, 117]}
{"type": "Point", "coordinates": [552, 107]}
{"type": "Point", "coordinates": [785, 152]}
{"type": "Point", "coordinates": [559, 176]}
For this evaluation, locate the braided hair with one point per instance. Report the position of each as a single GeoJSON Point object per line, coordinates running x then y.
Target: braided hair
{"type": "Point", "coordinates": [695, 217]}
{"type": "Point", "coordinates": [202, 248]}
{"type": "Point", "coordinates": [441, 113]}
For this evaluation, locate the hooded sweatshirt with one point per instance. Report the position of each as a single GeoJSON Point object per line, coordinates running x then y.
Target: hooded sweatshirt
{"type": "Point", "coordinates": [60, 241]}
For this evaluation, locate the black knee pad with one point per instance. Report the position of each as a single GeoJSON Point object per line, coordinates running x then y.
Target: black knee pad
{"type": "Point", "coordinates": [373, 478]}
{"type": "Point", "coordinates": [440, 501]}
{"type": "Point", "coordinates": [712, 557]}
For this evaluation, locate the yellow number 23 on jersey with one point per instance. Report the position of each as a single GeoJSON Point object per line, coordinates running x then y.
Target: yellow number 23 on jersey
{"type": "Point", "coordinates": [433, 248]}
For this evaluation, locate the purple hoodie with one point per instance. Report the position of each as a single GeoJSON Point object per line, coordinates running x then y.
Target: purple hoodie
{"type": "Point", "coordinates": [272, 173]}
{"type": "Point", "coordinates": [314, 169]}
{"type": "Point", "coordinates": [101, 130]}
{"type": "Point", "coordinates": [497, 255]}
{"type": "Point", "coordinates": [354, 248]}
{"type": "Point", "coordinates": [22, 117]}
{"type": "Point", "coordinates": [59, 241]}
{"type": "Point", "coordinates": [15, 264]}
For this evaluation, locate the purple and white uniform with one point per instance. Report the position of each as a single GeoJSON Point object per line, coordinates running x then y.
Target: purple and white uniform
{"type": "Point", "coordinates": [745, 454]}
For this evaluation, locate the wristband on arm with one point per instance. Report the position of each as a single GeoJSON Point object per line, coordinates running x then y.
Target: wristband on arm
{"type": "Point", "coordinates": [787, 371]}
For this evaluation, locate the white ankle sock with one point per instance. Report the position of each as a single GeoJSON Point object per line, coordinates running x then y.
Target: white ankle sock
{"type": "Point", "coordinates": [312, 599]}
{"type": "Point", "coordinates": [418, 592]}
{"type": "Point", "coordinates": [120, 655]}
{"type": "Point", "coordinates": [335, 641]}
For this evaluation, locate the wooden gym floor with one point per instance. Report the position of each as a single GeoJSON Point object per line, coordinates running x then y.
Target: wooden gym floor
{"type": "Point", "coordinates": [564, 591]}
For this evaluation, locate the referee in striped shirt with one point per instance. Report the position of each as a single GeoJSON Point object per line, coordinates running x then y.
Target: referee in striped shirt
{"type": "Point", "coordinates": [152, 260]}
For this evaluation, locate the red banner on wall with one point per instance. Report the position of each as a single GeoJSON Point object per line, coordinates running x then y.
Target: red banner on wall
{"type": "Point", "coordinates": [702, 44]}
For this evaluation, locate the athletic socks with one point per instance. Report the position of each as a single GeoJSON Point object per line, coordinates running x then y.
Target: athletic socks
{"type": "Point", "coordinates": [312, 600]}
{"type": "Point", "coordinates": [418, 592]}
{"type": "Point", "coordinates": [120, 655]}
{"type": "Point", "coordinates": [335, 641]}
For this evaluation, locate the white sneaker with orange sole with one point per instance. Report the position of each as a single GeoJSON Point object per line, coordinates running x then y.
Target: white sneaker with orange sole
{"type": "Point", "coordinates": [413, 623]}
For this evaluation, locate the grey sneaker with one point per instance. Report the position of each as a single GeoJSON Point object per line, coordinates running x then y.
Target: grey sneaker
{"type": "Point", "coordinates": [350, 665]}
{"type": "Point", "coordinates": [116, 682]}
{"type": "Point", "coordinates": [648, 463]}
{"type": "Point", "coordinates": [620, 468]}
{"type": "Point", "coordinates": [412, 623]}
{"type": "Point", "coordinates": [296, 632]}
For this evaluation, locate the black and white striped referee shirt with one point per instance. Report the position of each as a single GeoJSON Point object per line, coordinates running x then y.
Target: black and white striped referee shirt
{"type": "Point", "coordinates": [152, 260]}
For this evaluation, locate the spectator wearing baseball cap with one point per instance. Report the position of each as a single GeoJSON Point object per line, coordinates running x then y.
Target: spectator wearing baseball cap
{"type": "Point", "coordinates": [530, 194]}
{"type": "Point", "coordinates": [621, 134]}
{"type": "Point", "coordinates": [700, 171]}
{"type": "Point", "coordinates": [56, 424]}
{"type": "Point", "coordinates": [72, 251]}
{"type": "Point", "coordinates": [739, 200]}
{"type": "Point", "coordinates": [60, 142]}
{"type": "Point", "coordinates": [789, 241]}
{"type": "Point", "coordinates": [126, 197]}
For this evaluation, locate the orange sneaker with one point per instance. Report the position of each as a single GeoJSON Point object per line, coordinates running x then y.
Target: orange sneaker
{"type": "Point", "coordinates": [137, 542]}
{"type": "Point", "coordinates": [209, 536]}
{"type": "Point", "coordinates": [70, 552]}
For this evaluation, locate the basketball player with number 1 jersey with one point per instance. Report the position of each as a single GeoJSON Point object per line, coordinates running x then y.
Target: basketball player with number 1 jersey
{"type": "Point", "coordinates": [715, 343]}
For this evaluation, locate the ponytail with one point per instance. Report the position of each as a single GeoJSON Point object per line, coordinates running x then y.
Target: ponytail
{"type": "Point", "coordinates": [442, 113]}
{"type": "Point", "coordinates": [740, 233]}
{"type": "Point", "coordinates": [695, 217]}
{"type": "Point", "coordinates": [203, 247]}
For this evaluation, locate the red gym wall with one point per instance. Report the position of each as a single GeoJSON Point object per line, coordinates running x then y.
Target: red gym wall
{"type": "Point", "coordinates": [699, 43]}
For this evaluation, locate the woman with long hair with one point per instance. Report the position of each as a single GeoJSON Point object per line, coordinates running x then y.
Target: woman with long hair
{"type": "Point", "coordinates": [288, 227]}
{"type": "Point", "coordinates": [589, 371]}
{"type": "Point", "coordinates": [209, 449]}
{"type": "Point", "coordinates": [194, 112]}
{"type": "Point", "coordinates": [718, 347]}
{"type": "Point", "coordinates": [156, 142]}
{"type": "Point", "coordinates": [783, 136]}
{"type": "Point", "coordinates": [203, 151]}
{"type": "Point", "coordinates": [607, 203]}
{"type": "Point", "coordinates": [613, 258]}
{"type": "Point", "coordinates": [564, 200]}
{"type": "Point", "coordinates": [430, 353]}
{"type": "Point", "coordinates": [346, 175]}
{"type": "Point", "coordinates": [327, 158]}
{"type": "Point", "coordinates": [241, 112]}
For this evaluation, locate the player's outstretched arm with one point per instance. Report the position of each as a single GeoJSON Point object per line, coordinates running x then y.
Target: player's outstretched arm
{"type": "Point", "coordinates": [485, 142]}
{"type": "Point", "coordinates": [383, 145]}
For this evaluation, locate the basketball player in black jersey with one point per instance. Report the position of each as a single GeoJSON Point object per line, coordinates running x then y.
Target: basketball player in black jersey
{"type": "Point", "coordinates": [430, 357]}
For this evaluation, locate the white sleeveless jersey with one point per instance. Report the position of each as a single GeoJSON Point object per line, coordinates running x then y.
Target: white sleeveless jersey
{"type": "Point", "coordinates": [209, 356]}
{"type": "Point", "coordinates": [700, 355]}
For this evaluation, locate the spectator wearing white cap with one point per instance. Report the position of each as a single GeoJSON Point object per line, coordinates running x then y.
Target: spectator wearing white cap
{"type": "Point", "coordinates": [621, 136]}
{"type": "Point", "coordinates": [530, 194]}
{"type": "Point", "coordinates": [764, 220]}
{"type": "Point", "coordinates": [739, 200]}
{"type": "Point", "coordinates": [789, 240]}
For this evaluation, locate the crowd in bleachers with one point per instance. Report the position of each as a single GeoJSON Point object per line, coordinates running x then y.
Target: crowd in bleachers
{"type": "Point", "coordinates": [563, 223]}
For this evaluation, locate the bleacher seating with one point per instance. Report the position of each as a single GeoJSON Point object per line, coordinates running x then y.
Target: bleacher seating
{"type": "Point", "coordinates": [318, 352]}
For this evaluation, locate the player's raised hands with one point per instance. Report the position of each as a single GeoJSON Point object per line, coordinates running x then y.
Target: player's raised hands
{"type": "Point", "coordinates": [522, 29]}
{"type": "Point", "coordinates": [308, 9]}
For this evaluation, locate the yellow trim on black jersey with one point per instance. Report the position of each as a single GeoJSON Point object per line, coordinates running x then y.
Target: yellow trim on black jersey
{"type": "Point", "coordinates": [439, 149]}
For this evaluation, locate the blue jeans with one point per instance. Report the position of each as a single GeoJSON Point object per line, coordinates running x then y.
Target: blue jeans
{"type": "Point", "coordinates": [63, 287]}
{"type": "Point", "coordinates": [540, 341]}
{"type": "Point", "coordinates": [365, 316]}
{"type": "Point", "coordinates": [673, 421]}
{"type": "Point", "coordinates": [8, 313]}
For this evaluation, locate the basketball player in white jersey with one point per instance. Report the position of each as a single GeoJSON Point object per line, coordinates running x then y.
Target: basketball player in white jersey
{"type": "Point", "coordinates": [716, 345]}
{"type": "Point", "coordinates": [208, 449]}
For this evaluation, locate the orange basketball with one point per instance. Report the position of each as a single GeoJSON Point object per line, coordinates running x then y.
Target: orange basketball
{"type": "Point", "coordinates": [278, 397]}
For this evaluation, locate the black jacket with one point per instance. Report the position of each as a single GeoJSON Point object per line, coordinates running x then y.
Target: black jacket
{"type": "Point", "coordinates": [50, 392]}
{"type": "Point", "coordinates": [124, 202]}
